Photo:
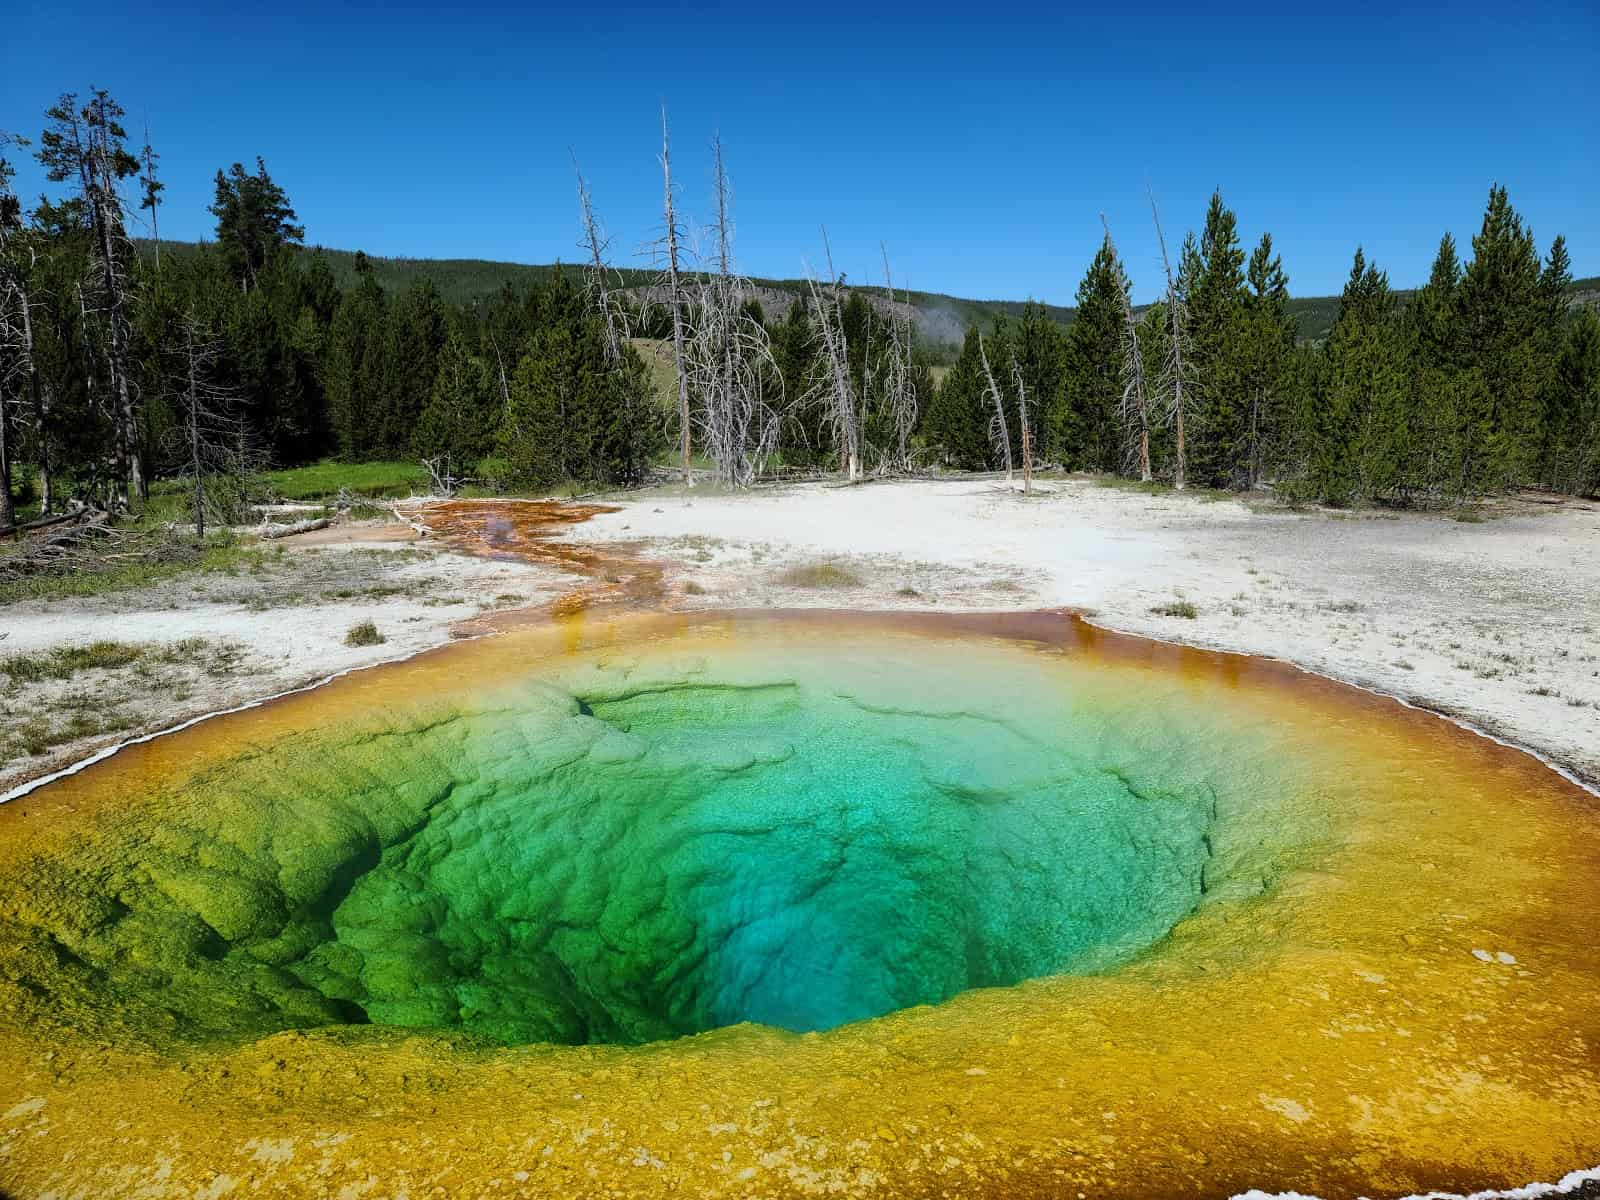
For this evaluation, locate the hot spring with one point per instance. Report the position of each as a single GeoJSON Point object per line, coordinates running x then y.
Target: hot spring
{"type": "Point", "coordinates": [982, 881]}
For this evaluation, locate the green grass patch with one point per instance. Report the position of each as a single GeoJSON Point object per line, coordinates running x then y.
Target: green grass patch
{"type": "Point", "coordinates": [1176, 608]}
{"type": "Point", "coordinates": [1157, 487]}
{"type": "Point", "coordinates": [325, 480]}
{"type": "Point", "coordinates": [63, 662]}
{"type": "Point", "coordinates": [364, 634]}
{"type": "Point", "coordinates": [162, 557]}
{"type": "Point", "coordinates": [820, 575]}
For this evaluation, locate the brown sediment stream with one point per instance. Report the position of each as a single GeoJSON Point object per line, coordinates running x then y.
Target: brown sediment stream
{"type": "Point", "coordinates": [524, 530]}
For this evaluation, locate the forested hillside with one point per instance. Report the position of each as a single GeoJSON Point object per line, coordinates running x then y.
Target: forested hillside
{"type": "Point", "coordinates": [122, 363]}
{"type": "Point", "coordinates": [942, 320]}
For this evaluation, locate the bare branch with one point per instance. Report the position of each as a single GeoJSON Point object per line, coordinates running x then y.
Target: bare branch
{"type": "Point", "coordinates": [836, 386]}
{"type": "Point", "coordinates": [1174, 372]}
{"type": "Point", "coordinates": [598, 275]}
{"type": "Point", "coordinates": [998, 433]}
{"type": "Point", "coordinates": [1022, 418]}
{"type": "Point", "coordinates": [675, 300]}
{"type": "Point", "coordinates": [731, 368]}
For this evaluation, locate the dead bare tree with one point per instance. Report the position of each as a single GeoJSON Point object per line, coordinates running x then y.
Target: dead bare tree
{"type": "Point", "coordinates": [1135, 395]}
{"type": "Point", "coordinates": [442, 478]}
{"type": "Point", "coordinates": [671, 280]}
{"type": "Point", "coordinates": [598, 275]}
{"type": "Point", "coordinates": [39, 393]}
{"type": "Point", "coordinates": [13, 349]}
{"type": "Point", "coordinates": [899, 396]}
{"type": "Point", "coordinates": [835, 385]}
{"type": "Point", "coordinates": [1173, 369]}
{"type": "Point", "coordinates": [730, 364]}
{"type": "Point", "coordinates": [211, 437]}
{"type": "Point", "coordinates": [500, 367]}
{"type": "Point", "coordinates": [8, 512]}
{"type": "Point", "coordinates": [999, 435]}
{"type": "Point", "coordinates": [1022, 418]}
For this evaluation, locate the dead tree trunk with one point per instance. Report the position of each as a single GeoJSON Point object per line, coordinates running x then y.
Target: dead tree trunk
{"type": "Point", "coordinates": [12, 352]}
{"type": "Point", "coordinates": [8, 514]}
{"type": "Point", "coordinates": [1027, 434]}
{"type": "Point", "coordinates": [505, 383]}
{"type": "Point", "coordinates": [598, 276]}
{"type": "Point", "coordinates": [838, 385]}
{"type": "Point", "coordinates": [730, 361]}
{"type": "Point", "coordinates": [998, 432]}
{"type": "Point", "coordinates": [194, 437]}
{"type": "Point", "coordinates": [1135, 396]}
{"type": "Point", "coordinates": [899, 396]}
{"type": "Point", "coordinates": [211, 436]}
{"type": "Point", "coordinates": [1175, 369]}
{"type": "Point", "coordinates": [40, 395]}
{"type": "Point", "coordinates": [675, 301]}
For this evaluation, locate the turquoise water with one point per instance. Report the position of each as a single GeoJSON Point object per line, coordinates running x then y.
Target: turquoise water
{"type": "Point", "coordinates": [764, 853]}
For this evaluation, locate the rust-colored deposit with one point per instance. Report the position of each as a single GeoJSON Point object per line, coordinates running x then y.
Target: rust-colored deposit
{"type": "Point", "coordinates": [528, 531]}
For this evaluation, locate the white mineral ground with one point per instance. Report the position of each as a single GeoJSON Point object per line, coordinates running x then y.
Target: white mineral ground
{"type": "Point", "coordinates": [1495, 621]}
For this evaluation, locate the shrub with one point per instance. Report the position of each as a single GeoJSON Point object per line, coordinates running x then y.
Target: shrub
{"type": "Point", "coordinates": [364, 634]}
{"type": "Point", "coordinates": [1176, 608]}
{"type": "Point", "coordinates": [820, 575]}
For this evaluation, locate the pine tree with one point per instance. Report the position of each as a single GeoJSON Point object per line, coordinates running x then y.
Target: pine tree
{"type": "Point", "coordinates": [1503, 313]}
{"type": "Point", "coordinates": [354, 366]}
{"type": "Point", "coordinates": [794, 349]}
{"type": "Point", "coordinates": [254, 219]}
{"type": "Point", "coordinates": [575, 414]}
{"type": "Point", "coordinates": [959, 416]}
{"type": "Point", "coordinates": [1266, 345]}
{"type": "Point", "coordinates": [1086, 432]}
{"type": "Point", "coordinates": [1554, 281]}
{"type": "Point", "coordinates": [1433, 310]}
{"type": "Point", "coordinates": [1575, 415]}
{"type": "Point", "coordinates": [86, 149]}
{"type": "Point", "coordinates": [412, 336]}
{"type": "Point", "coordinates": [1362, 443]}
{"type": "Point", "coordinates": [1214, 287]}
{"type": "Point", "coordinates": [459, 420]}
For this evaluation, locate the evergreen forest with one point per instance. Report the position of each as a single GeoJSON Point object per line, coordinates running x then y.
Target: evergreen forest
{"type": "Point", "coordinates": [124, 361]}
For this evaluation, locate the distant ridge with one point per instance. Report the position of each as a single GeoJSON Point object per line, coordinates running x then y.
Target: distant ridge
{"type": "Point", "coordinates": [941, 318]}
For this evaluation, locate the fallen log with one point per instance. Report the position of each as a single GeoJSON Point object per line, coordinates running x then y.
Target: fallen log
{"type": "Point", "coordinates": [279, 510]}
{"type": "Point", "coordinates": [38, 523]}
{"type": "Point", "coordinates": [62, 546]}
{"type": "Point", "coordinates": [269, 532]}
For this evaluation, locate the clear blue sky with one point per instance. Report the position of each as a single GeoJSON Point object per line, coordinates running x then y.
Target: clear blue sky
{"type": "Point", "coordinates": [981, 143]}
